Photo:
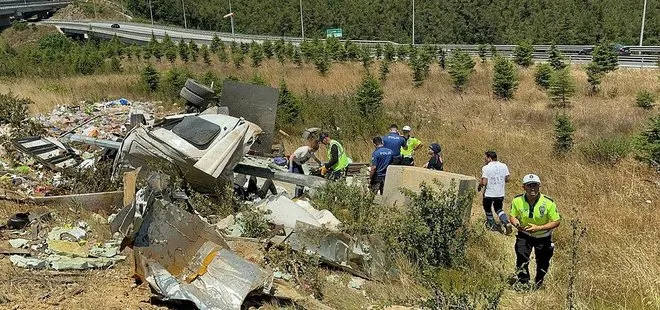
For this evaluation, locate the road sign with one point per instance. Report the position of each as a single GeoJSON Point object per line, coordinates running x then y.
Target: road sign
{"type": "Point", "coordinates": [333, 32]}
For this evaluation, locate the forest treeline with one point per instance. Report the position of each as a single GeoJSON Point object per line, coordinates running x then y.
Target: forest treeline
{"type": "Point", "coordinates": [447, 21]}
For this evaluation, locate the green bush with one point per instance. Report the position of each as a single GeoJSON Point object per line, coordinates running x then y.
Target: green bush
{"type": "Point", "coordinates": [19, 25]}
{"type": "Point", "coordinates": [645, 100]}
{"type": "Point", "coordinates": [563, 134]}
{"type": "Point", "coordinates": [542, 75]}
{"type": "Point", "coordinates": [523, 54]}
{"type": "Point", "coordinates": [288, 108]}
{"type": "Point", "coordinates": [648, 143]}
{"type": "Point", "coordinates": [505, 78]}
{"type": "Point", "coordinates": [254, 222]}
{"type": "Point", "coordinates": [431, 232]}
{"type": "Point", "coordinates": [607, 151]}
{"type": "Point", "coordinates": [352, 205]}
{"type": "Point", "coordinates": [461, 66]}
{"type": "Point", "coordinates": [173, 80]}
{"type": "Point", "coordinates": [562, 86]}
{"type": "Point", "coordinates": [13, 110]}
{"type": "Point", "coordinates": [150, 78]}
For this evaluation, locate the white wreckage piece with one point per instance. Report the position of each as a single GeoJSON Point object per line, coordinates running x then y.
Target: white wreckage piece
{"type": "Point", "coordinates": [203, 148]}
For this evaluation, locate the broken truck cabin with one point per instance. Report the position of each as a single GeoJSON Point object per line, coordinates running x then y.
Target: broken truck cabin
{"type": "Point", "coordinates": [221, 141]}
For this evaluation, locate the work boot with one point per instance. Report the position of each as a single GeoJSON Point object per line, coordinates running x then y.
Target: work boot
{"type": "Point", "coordinates": [491, 225]}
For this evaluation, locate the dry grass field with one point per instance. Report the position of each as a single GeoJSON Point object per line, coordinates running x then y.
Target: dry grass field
{"type": "Point", "coordinates": [619, 266]}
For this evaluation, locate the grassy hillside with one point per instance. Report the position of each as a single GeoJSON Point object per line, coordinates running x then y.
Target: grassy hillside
{"type": "Point", "coordinates": [618, 265]}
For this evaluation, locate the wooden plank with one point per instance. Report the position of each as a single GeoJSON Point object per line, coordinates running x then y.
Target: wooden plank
{"type": "Point", "coordinates": [95, 202]}
{"type": "Point", "coordinates": [13, 251]}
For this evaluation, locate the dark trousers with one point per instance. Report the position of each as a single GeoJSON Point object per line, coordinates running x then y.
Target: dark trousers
{"type": "Point", "coordinates": [299, 170]}
{"type": "Point", "coordinates": [496, 203]}
{"type": "Point", "coordinates": [397, 160]}
{"type": "Point", "coordinates": [407, 161]}
{"type": "Point", "coordinates": [543, 249]}
{"type": "Point", "coordinates": [336, 175]}
{"type": "Point", "coordinates": [377, 183]}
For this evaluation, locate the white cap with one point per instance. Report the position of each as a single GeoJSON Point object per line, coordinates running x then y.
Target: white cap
{"type": "Point", "coordinates": [407, 128]}
{"type": "Point", "coordinates": [531, 178]}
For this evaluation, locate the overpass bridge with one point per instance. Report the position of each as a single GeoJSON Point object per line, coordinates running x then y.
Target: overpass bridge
{"type": "Point", "coordinates": [24, 9]}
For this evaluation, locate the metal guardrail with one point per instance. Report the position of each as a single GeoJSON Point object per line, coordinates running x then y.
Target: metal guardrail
{"type": "Point", "coordinates": [505, 49]}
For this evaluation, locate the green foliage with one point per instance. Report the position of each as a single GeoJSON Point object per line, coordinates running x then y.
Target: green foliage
{"type": "Point", "coordinates": [257, 54]}
{"type": "Point", "coordinates": [402, 52]}
{"type": "Point", "coordinates": [156, 49]}
{"type": "Point", "coordinates": [288, 107]}
{"type": "Point", "coordinates": [442, 58]}
{"type": "Point", "coordinates": [322, 61]}
{"type": "Point", "coordinates": [594, 76]}
{"type": "Point", "coordinates": [254, 222]}
{"type": "Point", "coordinates": [379, 51]}
{"type": "Point", "coordinates": [564, 130]}
{"type": "Point", "coordinates": [206, 55]}
{"type": "Point", "coordinates": [648, 143]}
{"type": "Point", "coordinates": [430, 232]}
{"type": "Point", "coordinates": [498, 22]}
{"type": "Point", "coordinates": [542, 75]}
{"type": "Point", "coordinates": [352, 50]}
{"type": "Point", "coordinates": [505, 78]}
{"type": "Point", "coordinates": [289, 50]}
{"type": "Point", "coordinates": [605, 57]}
{"type": "Point", "coordinates": [352, 205]}
{"type": "Point", "coordinates": [170, 54]}
{"type": "Point", "coordinates": [150, 78]}
{"type": "Point", "coordinates": [210, 78]}
{"type": "Point", "coordinates": [556, 58]}
{"type": "Point", "coordinates": [369, 98]}
{"type": "Point", "coordinates": [390, 52]}
{"type": "Point", "coordinates": [607, 151]}
{"type": "Point", "coordinates": [184, 51]}
{"type": "Point", "coordinates": [365, 56]}
{"type": "Point", "coordinates": [297, 58]}
{"type": "Point", "coordinates": [268, 49]}
{"type": "Point", "coordinates": [19, 25]}
{"type": "Point", "coordinates": [645, 99]}
{"type": "Point", "coordinates": [173, 80]}
{"type": "Point", "coordinates": [257, 79]}
{"type": "Point", "coordinates": [493, 51]}
{"type": "Point", "coordinates": [384, 69]}
{"type": "Point", "coordinates": [194, 50]}
{"type": "Point", "coordinates": [13, 110]}
{"type": "Point", "coordinates": [215, 44]}
{"type": "Point", "coordinates": [562, 86]}
{"type": "Point", "coordinates": [222, 55]}
{"type": "Point", "coordinates": [523, 54]}
{"type": "Point", "coordinates": [482, 52]}
{"type": "Point", "coordinates": [237, 57]}
{"type": "Point", "coordinates": [461, 66]}
{"type": "Point", "coordinates": [115, 65]}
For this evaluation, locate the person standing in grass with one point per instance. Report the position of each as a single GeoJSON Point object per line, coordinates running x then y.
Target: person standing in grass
{"type": "Point", "coordinates": [407, 155]}
{"type": "Point", "coordinates": [494, 176]}
{"type": "Point", "coordinates": [435, 162]}
{"type": "Point", "coordinates": [535, 216]}
{"type": "Point", "coordinates": [381, 158]}
{"type": "Point", "coordinates": [395, 142]}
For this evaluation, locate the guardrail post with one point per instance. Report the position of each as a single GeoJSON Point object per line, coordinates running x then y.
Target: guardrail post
{"type": "Point", "coordinates": [642, 65]}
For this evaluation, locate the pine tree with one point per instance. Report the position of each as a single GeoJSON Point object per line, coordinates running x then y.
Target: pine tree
{"type": "Point", "coordinates": [523, 54]}
{"type": "Point", "coordinates": [288, 107]}
{"type": "Point", "coordinates": [237, 57]}
{"type": "Point", "coordinates": [645, 100]}
{"type": "Point", "coordinates": [605, 57]}
{"type": "Point", "coordinates": [268, 49]}
{"type": "Point", "coordinates": [115, 65]}
{"type": "Point", "coordinates": [365, 56]}
{"type": "Point", "coordinates": [420, 61]}
{"type": "Point", "coordinates": [379, 51]}
{"type": "Point", "coordinates": [556, 58]}
{"type": "Point", "coordinates": [297, 58]}
{"type": "Point", "coordinates": [146, 52]}
{"type": "Point", "coordinates": [402, 52]}
{"type": "Point", "coordinates": [389, 52]}
{"type": "Point", "coordinates": [542, 75]}
{"type": "Point", "coordinates": [482, 52]}
{"type": "Point", "coordinates": [505, 78]}
{"type": "Point", "coordinates": [150, 78]}
{"type": "Point", "coordinates": [278, 49]}
{"type": "Point", "coordinates": [648, 142]}
{"type": "Point", "coordinates": [136, 51]}
{"type": "Point", "coordinates": [194, 50]}
{"type": "Point", "coordinates": [128, 51]}
{"type": "Point", "coordinates": [155, 48]}
{"type": "Point", "coordinates": [352, 50]}
{"type": "Point", "coordinates": [594, 77]}
{"type": "Point", "coordinates": [461, 66]}
{"type": "Point", "coordinates": [223, 56]}
{"type": "Point", "coordinates": [184, 53]}
{"type": "Point", "coordinates": [256, 54]}
{"type": "Point", "coordinates": [493, 51]}
{"type": "Point", "coordinates": [369, 98]}
{"type": "Point", "coordinates": [215, 44]}
{"type": "Point", "coordinates": [206, 55]}
{"type": "Point", "coordinates": [384, 69]}
{"type": "Point", "coordinates": [564, 130]}
{"type": "Point", "coordinates": [170, 54]}
{"type": "Point", "coordinates": [442, 60]}
{"type": "Point", "coordinates": [288, 50]}
{"type": "Point", "coordinates": [322, 62]}
{"type": "Point", "coordinates": [562, 86]}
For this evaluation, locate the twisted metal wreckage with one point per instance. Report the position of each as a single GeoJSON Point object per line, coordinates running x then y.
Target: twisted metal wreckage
{"type": "Point", "coordinates": [177, 252]}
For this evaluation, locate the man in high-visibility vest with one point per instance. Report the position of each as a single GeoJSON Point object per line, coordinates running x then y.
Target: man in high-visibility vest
{"type": "Point", "coordinates": [535, 216]}
{"type": "Point", "coordinates": [335, 168]}
{"type": "Point", "coordinates": [413, 144]}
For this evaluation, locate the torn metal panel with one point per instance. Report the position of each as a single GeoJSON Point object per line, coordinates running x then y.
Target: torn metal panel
{"type": "Point", "coordinates": [48, 151]}
{"type": "Point", "coordinates": [95, 202]}
{"type": "Point", "coordinates": [261, 167]}
{"type": "Point", "coordinates": [255, 103]}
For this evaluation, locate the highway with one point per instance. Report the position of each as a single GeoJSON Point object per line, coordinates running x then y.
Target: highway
{"type": "Point", "coordinates": [643, 57]}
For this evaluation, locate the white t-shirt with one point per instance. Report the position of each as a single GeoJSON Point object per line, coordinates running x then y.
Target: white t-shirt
{"type": "Point", "coordinates": [496, 173]}
{"type": "Point", "coordinates": [303, 154]}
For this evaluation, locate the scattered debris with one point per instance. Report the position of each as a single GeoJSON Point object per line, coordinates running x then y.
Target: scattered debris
{"type": "Point", "coordinates": [27, 262]}
{"type": "Point", "coordinates": [18, 243]}
{"type": "Point", "coordinates": [18, 221]}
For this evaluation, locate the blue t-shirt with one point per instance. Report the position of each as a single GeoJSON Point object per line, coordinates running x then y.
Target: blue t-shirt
{"type": "Point", "coordinates": [394, 142]}
{"type": "Point", "coordinates": [381, 158]}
